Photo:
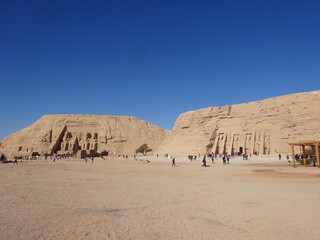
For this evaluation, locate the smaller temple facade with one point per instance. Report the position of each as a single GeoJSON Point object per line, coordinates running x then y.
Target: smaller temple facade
{"type": "Point", "coordinates": [256, 143]}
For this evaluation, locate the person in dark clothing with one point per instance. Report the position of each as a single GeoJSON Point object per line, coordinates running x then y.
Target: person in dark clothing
{"type": "Point", "coordinates": [279, 156]}
{"type": "Point", "coordinates": [173, 162]}
{"type": "Point", "coordinates": [204, 162]}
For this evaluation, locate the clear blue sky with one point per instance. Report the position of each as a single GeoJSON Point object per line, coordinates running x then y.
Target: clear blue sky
{"type": "Point", "coordinates": [151, 59]}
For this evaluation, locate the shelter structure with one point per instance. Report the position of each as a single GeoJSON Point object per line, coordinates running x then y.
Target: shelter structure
{"type": "Point", "coordinates": [315, 145]}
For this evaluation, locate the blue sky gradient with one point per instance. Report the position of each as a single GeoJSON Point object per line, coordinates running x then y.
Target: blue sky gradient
{"type": "Point", "coordinates": [151, 59]}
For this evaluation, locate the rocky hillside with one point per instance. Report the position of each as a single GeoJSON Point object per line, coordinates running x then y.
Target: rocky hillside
{"type": "Point", "coordinates": [90, 133]}
{"type": "Point", "coordinates": [263, 127]}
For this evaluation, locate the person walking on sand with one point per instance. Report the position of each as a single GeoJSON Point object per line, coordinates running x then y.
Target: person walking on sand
{"type": "Point", "coordinates": [279, 156]}
{"type": "Point", "coordinates": [16, 160]}
{"type": "Point", "coordinates": [92, 159]}
{"type": "Point", "coordinates": [173, 162]}
{"type": "Point", "coordinates": [204, 162]}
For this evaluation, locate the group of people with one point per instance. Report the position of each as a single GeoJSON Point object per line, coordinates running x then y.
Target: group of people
{"type": "Point", "coordinates": [287, 157]}
{"type": "Point", "coordinates": [299, 157]}
{"type": "Point", "coordinates": [225, 159]}
{"type": "Point", "coordinates": [5, 159]}
{"type": "Point", "coordinates": [191, 157]}
{"type": "Point", "coordinates": [59, 156]}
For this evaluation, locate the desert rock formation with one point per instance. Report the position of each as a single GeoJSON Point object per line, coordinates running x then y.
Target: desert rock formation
{"type": "Point", "coordinates": [84, 134]}
{"type": "Point", "coordinates": [263, 127]}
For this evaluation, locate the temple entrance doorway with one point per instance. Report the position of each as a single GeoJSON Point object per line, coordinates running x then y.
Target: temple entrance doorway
{"type": "Point", "coordinates": [240, 149]}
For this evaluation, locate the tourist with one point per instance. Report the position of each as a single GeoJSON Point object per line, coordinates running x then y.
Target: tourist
{"type": "Point", "coordinates": [279, 156]}
{"type": "Point", "coordinates": [173, 162]}
{"type": "Point", "coordinates": [92, 159]}
{"type": "Point", "coordinates": [204, 161]}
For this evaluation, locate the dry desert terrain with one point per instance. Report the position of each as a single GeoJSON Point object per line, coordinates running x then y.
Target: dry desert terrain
{"type": "Point", "coordinates": [262, 198]}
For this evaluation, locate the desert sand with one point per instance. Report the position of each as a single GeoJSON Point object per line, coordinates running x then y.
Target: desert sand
{"type": "Point", "coordinates": [262, 198]}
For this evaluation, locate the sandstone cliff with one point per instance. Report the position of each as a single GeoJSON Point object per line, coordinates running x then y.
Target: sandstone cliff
{"type": "Point", "coordinates": [263, 127]}
{"type": "Point", "coordinates": [92, 133]}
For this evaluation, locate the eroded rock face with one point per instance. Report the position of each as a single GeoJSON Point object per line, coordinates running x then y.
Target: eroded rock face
{"type": "Point", "coordinates": [263, 127]}
{"type": "Point", "coordinates": [92, 133]}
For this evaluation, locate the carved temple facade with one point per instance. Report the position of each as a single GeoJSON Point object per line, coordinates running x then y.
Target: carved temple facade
{"type": "Point", "coordinates": [82, 141]}
{"type": "Point", "coordinates": [257, 142]}
{"type": "Point", "coordinates": [75, 141]}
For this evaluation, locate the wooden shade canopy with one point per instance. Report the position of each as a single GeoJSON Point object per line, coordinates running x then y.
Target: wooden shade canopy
{"type": "Point", "coordinates": [315, 149]}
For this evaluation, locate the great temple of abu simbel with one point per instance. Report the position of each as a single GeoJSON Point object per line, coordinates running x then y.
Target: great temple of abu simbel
{"type": "Point", "coordinates": [73, 141]}
{"type": "Point", "coordinates": [84, 135]}
{"type": "Point", "coordinates": [263, 128]}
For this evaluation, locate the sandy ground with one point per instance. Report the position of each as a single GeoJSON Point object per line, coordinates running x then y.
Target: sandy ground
{"type": "Point", "coordinates": [261, 198]}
